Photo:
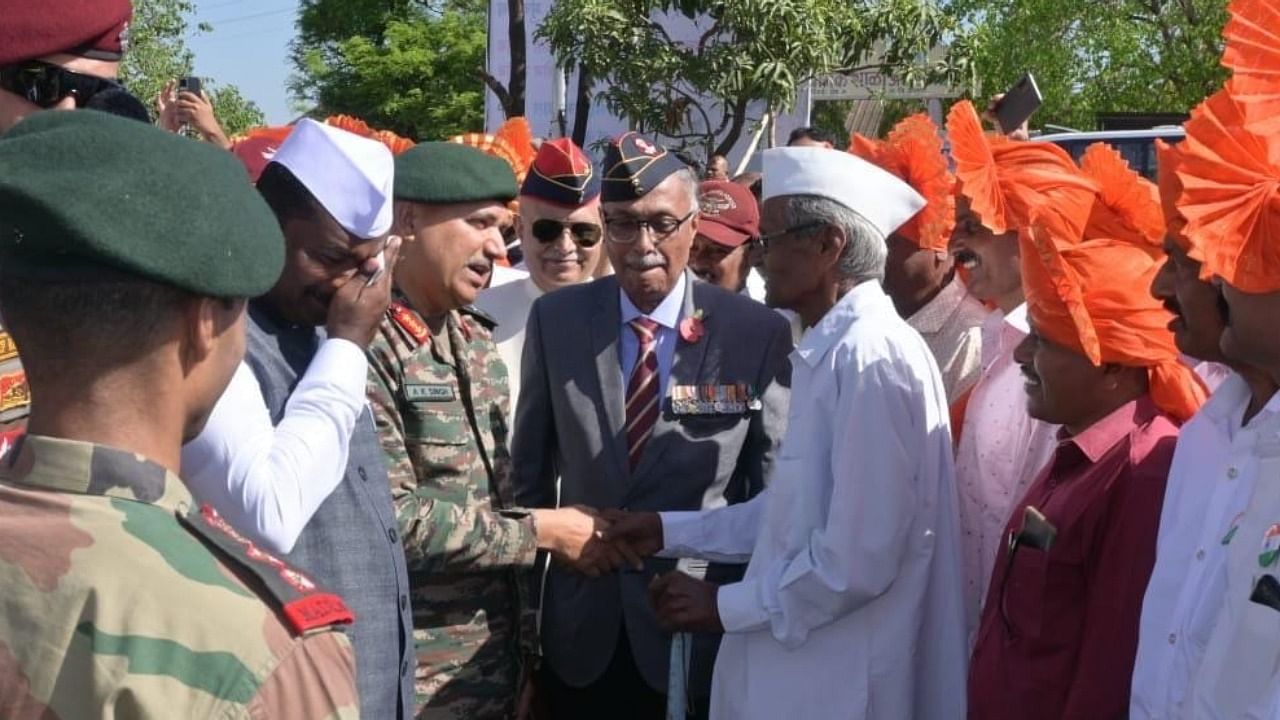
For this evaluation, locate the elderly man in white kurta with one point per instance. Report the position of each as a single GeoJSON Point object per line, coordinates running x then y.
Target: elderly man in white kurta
{"type": "Point", "coordinates": [852, 602]}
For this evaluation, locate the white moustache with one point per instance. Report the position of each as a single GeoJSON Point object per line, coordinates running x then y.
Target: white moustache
{"type": "Point", "coordinates": [648, 262]}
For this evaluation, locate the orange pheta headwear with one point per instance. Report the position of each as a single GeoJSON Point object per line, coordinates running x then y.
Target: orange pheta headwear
{"type": "Point", "coordinates": [1092, 296]}
{"type": "Point", "coordinates": [1252, 53]}
{"type": "Point", "coordinates": [256, 147]}
{"type": "Point", "coordinates": [513, 142]}
{"type": "Point", "coordinates": [1128, 205]}
{"type": "Point", "coordinates": [1006, 180]}
{"type": "Point", "coordinates": [913, 152]}
{"type": "Point", "coordinates": [1168, 158]}
{"type": "Point", "coordinates": [1231, 195]}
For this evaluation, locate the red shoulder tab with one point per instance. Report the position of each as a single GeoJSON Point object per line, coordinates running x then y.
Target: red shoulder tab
{"type": "Point", "coordinates": [409, 321]}
{"type": "Point", "coordinates": [305, 605]}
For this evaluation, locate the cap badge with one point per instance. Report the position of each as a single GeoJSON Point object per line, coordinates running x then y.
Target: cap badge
{"type": "Point", "coordinates": [715, 202]}
{"type": "Point", "coordinates": [645, 147]}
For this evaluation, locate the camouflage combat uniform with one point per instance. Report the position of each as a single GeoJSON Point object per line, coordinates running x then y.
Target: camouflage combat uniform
{"type": "Point", "coordinates": [121, 601]}
{"type": "Point", "coordinates": [440, 407]}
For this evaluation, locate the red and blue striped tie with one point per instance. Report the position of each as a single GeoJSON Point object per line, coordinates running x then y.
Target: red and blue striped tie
{"type": "Point", "coordinates": [642, 391]}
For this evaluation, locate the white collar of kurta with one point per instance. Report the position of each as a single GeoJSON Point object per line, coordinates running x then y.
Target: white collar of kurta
{"type": "Point", "coordinates": [1225, 408]}
{"type": "Point", "coordinates": [822, 337]}
{"type": "Point", "coordinates": [667, 314]}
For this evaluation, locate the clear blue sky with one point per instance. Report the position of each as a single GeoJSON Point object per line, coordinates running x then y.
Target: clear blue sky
{"type": "Point", "coordinates": [249, 48]}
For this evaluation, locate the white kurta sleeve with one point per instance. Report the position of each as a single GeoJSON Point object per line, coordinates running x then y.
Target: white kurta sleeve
{"type": "Point", "coordinates": [854, 553]}
{"type": "Point", "coordinates": [269, 481]}
{"type": "Point", "coordinates": [723, 535]}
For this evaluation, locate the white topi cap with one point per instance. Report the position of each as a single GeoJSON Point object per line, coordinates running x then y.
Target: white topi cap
{"type": "Point", "coordinates": [349, 175]}
{"type": "Point", "coordinates": [880, 197]}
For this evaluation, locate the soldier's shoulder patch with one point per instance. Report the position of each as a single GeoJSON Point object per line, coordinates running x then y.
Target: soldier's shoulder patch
{"type": "Point", "coordinates": [409, 321]}
{"type": "Point", "coordinates": [305, 605]}
{"type": "Point", "coordinates": [484, 318]}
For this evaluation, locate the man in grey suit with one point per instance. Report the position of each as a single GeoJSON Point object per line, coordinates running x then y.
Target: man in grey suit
{"type": "Point", "coordinates": [646, 390]}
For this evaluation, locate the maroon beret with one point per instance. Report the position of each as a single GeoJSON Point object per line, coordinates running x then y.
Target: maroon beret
{"type": "Point", "coordinates": [97, 29]}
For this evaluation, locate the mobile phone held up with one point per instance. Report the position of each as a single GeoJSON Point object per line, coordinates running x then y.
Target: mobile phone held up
{"type": "Point", "coordinates": [1018, 104]}
{"type": "Point", "coordinates": [189, 84]}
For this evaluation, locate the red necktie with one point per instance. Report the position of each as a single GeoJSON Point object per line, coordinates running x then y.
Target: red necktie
{"type": "Point", "coordinates": [642, 391]}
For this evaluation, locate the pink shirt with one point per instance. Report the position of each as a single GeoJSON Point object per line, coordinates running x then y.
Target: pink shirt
{"type": "Point", "coordinates": [1001, 451]}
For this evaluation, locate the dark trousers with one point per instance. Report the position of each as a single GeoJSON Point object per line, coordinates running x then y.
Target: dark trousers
{"type": "Point", "coordinates": [619, 694]}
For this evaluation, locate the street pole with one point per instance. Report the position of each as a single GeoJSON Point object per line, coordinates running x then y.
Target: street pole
{"type": "Point", "coordinates": [562, 120]}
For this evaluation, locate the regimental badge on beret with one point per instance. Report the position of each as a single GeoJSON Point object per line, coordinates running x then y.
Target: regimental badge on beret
{"type": "Point", "coordinates": [634, 165]}
{"type": "Point", "coordinates": [562, 174]}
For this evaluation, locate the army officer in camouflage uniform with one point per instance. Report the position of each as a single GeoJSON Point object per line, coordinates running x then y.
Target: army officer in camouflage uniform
{"type": "Point", "coordinates": [121, 599]}
{"type": "Point", "coordinates": [438, 388]}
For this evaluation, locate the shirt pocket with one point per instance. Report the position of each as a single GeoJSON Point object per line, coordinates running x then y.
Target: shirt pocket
{"type": "Point", "coordinates": [436, 423]}
{"type": "Point", "coordinates": [1024, 593]}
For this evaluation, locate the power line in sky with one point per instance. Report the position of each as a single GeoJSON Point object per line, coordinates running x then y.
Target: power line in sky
{"type": "Point", "coordinates": [243, 18]}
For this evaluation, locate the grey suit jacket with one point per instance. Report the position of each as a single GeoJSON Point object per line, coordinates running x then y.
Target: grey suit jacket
{"type": "Point", "coordinates": [570, 424]}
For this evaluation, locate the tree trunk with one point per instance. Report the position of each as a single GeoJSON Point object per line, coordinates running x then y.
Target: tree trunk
{"type": "Point", "coordinates": [735, 127]}
{"type": "Point", "coordinates": [582, 112]}
{"type": "Point", "coordinates": [515, 106]}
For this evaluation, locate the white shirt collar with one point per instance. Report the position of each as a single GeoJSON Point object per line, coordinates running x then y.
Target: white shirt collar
{"type": "Point", "coordinates": [821, 337]}
{"type": "Point", "coordinates": [667, 314]}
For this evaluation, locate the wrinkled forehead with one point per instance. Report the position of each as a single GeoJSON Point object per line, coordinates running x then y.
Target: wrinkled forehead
{"type": "Point", "coordinates": [532, 209]}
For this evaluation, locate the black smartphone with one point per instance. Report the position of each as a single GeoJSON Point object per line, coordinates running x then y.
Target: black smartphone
{"type": "Point", "coordinates": [1018, 103]}
{"type": "Point", "coordinates": [189, 84]}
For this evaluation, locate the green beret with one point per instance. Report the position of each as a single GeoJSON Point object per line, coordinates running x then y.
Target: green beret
{"type": "Point", "coordinates": [87, 190]}
{"type": "Point", "coordinates": [442, 173]}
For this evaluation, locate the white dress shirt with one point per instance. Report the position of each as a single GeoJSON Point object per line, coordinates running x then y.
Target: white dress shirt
{"type": "Point", "coordinates": [268, 481]}
{"type": "Point", "coordinates": [851, 606]}
{"type": "Point", "coordinates": [1001, 451]}
{"type": "Point", "coordinates": [1239, 674]}
{"type": "Point", "coordinates": [667, 315]}
{"type": "Point", "coordinates": [1213, 474]}
{"type": "Point", "coordinates": [951, 325]}
{"type": "Point", "coordinates": [509, 305]}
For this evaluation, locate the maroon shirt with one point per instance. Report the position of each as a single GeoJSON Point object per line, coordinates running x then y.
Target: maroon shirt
{"type": "Point", "coordinates": [1065, 644]}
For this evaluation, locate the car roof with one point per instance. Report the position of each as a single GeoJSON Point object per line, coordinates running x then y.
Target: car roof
{"type": "Point", "coordinates": [1163, 131]}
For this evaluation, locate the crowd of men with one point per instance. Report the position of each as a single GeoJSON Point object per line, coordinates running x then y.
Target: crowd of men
{"type": "Point", "coordinates": [912, 430]}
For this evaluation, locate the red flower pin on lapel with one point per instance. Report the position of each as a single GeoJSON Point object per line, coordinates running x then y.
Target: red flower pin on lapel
{"type": "Point", "coordinates": [691, 328]}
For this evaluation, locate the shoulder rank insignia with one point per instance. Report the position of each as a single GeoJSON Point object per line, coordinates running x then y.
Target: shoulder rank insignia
{"type": "Point", "coordinates": [485, 318]}
{"type": "Point", "coordinates": [8, 348]}
{"type": "Point", "coordinates": [409, 321]}
{"type": "Point", "coordinates": [305, 605]}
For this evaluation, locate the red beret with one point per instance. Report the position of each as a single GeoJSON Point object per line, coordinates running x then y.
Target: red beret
{"type": "Point", "coordinates": [729, 214]}
{"type": "Point", "coordinates": [96, 29]}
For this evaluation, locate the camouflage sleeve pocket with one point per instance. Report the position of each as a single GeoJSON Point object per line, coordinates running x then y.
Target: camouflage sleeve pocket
{"type": "Point", "coordinates": [436, 423]}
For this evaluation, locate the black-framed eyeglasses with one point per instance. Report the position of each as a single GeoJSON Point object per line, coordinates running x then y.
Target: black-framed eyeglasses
{"type": "Point", "coordinates": [1037, 533]}
{"type": "Point", "coordinates": [44, 84]}
{"type": "Point", "coordinates": [626, 230]}
{"type": "Point", "coordinates": [584, 234]}
{"type": "Point", "coordinates": [764, 240]}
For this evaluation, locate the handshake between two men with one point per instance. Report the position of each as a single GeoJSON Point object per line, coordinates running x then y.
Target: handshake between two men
{"type": "Point", "coordinates": [598, 542]}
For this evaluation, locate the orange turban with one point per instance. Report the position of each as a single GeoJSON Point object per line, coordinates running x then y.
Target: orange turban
{"type": "Point", "coordinates": [256, 147]}
{"type": "Point", "coordinates": [1168, 158]}
{"type": "Point", "coordinates": [1128, 205]}
{"type": "Point", "coordinates": [1231, 195]}
{"type": "Point", "coordinates": [1007, 181]}
{"type": "Point", "coordinates": [1252, 53]}
{"type": "Point", "coordinates": [1093, 298]}
{"type": "Point", "coordinates": [913, 153]}
{"type": "Point", "coordinates": [513, 142]}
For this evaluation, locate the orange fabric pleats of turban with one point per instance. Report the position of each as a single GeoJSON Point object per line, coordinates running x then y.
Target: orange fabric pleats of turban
{"type": "Point", "coordinates": [913, 152]}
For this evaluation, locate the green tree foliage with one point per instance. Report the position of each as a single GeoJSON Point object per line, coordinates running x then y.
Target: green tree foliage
{"type": "Point", "coordinates": [1091, 57]}
{"type": "Point", "coordinates": [698, 95]}
{"type": "Point", "coordinates": [415, 68]}
{"type": "Point", "coordinates": [158, 54]}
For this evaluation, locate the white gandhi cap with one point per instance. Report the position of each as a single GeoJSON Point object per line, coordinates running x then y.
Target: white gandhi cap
{"type": "Point", "coordinates": [350, 176]}
{"type": "Point", "coordinates": [880, 197]}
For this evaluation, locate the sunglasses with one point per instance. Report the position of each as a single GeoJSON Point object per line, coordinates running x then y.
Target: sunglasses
{"type": "Point", "coordinates": [584, 234]}
{"type": "Point", "coordinates": [45, 85]}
